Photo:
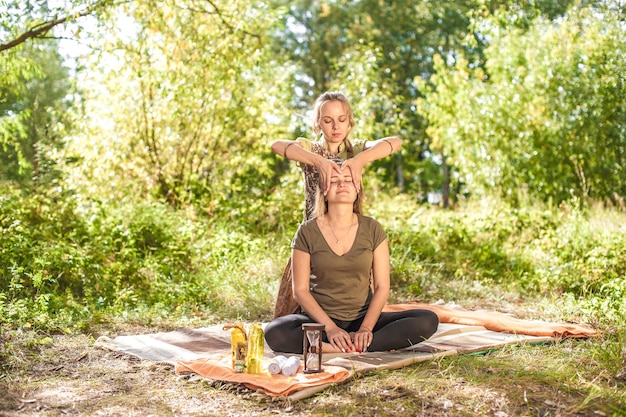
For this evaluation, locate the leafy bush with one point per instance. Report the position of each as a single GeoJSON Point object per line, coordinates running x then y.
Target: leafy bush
{"type": "Point", "coordinates": [533, 250]}
{"type": "Point", "coordinates": [64, 264]}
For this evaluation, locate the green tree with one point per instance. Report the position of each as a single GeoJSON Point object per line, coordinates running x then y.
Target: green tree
{"type": "Point", "coordinates": [377, 52]}
{"type": "Point", "coordinates": [24, 21]}
{"type": "Point", "coordinates": [183, 105]}
{"type": "Point", "coordinates": [373, 51]}
{"type": "Point", "coordinates": [547, 115]}
{"type": "Point", "coordinates": [32, 115]}
{"type": "Point", "coordinates": [35, 85]}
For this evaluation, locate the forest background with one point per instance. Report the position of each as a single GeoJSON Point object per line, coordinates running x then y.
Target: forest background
{"type": "Point", "coordinates": [137, 182]}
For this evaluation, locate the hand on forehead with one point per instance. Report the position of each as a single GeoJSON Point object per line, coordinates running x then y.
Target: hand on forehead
{"type": "Point", "coordinates": [345, 174]}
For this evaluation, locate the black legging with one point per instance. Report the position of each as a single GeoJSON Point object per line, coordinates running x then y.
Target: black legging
{"type": "Point", "coordinates": [394, 330]}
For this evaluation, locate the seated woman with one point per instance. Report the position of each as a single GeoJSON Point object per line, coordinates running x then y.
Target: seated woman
{"type": "Point", "coordinates": [341, 279]}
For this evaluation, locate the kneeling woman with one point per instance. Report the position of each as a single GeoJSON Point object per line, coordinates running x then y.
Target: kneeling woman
{"type": "Point", "coordinates": [341, 279]}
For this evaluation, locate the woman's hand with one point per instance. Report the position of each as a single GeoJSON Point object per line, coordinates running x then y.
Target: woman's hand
{"type": "Point", "coordinates": [356, 169]}
{"type": "Point", "coordinates": [339, 339]}
{"type": "Point", "coordinates": [362, 339]}
{"type": "Point", "coordinates": [326, 168]}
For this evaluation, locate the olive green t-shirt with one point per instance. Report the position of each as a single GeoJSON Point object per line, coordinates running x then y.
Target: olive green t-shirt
{"type": "Point", "coordinates": [341, 284]}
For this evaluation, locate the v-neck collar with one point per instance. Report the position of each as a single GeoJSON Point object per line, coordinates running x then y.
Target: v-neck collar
{"type": "Point", "coordinates": [358, 227]}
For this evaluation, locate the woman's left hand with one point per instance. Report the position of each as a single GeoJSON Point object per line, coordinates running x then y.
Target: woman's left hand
{"type": "Point", "coordinates": [362, 339]}
{"type": "Point", "coordinates": [356, 169]}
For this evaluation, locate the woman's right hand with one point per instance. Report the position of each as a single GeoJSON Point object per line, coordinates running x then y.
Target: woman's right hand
{"type": "Point", "coordinates": [339, 339]}
{"type": "Point", "coordinates": [326, 168]}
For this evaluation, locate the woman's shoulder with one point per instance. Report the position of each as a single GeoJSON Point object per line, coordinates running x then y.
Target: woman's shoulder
{"type": "Point", "coordinates": [304, 142]}
{"type": "Point", "coordinates": [307, 234]}
{"type": "Point", "coordinates": [308, 225]}
{"type": "Point", "coordinates": [368, 220]}
{"type": "Point", "coordinates": [372, 224]}
{"type": "Point", "coordinates": [372, 228]}
{"type": "Point", "coordinates": [358, 144]}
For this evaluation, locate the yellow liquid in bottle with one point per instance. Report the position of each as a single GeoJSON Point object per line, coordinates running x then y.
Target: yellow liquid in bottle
{"type": "Point", "coordinates": [239, 347]}
{"type": "Point", "coordinates": [256, 349]}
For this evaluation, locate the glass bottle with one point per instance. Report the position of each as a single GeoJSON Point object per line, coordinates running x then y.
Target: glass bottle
{"type": "Point", "coordinates": [238, 346]}
{"type": "Point", "coordinates": [256, 349]}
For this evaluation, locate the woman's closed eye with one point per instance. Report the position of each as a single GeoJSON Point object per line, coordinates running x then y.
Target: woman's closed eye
{"type": "Point", "coordinates": [329, 120]}
{"type": "Point", "coordinates": [346, 180]}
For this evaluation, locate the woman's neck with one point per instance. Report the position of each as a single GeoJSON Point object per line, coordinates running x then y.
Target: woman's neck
{"type": "Point", "coordinates": [339, 214]}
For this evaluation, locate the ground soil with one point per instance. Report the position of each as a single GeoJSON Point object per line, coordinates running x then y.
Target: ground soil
{"type": "Point", "coordinates": [70, 376]}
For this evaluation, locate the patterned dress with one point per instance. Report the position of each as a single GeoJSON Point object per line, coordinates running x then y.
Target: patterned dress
{"type": "Point", "coordinates": [285, 303]}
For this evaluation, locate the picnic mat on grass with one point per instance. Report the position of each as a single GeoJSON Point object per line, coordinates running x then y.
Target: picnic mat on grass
{"type": "Point", "coordinates": [206, 351]}
{"type": "Point", "coordinates": [498, 322]}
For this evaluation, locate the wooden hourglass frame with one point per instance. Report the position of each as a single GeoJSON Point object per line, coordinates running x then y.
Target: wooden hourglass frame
{"type": "Point", "coordinates": [312, 347]}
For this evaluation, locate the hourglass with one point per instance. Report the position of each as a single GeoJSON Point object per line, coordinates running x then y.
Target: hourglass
{"type": "Point", "coordinates": [312, 347]}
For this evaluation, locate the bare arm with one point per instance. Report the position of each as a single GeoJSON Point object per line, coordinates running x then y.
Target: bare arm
{"type": "Point", "coordinates": [373, 150]}
{"type": "Point", "coordinates": [292, 150]}
{"type": "Point", "coordinates": [363, 337]}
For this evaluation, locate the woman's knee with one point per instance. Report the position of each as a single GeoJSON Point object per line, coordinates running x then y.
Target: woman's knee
{"type": "Point", "coordinates": [425, 322]}
{"type": "Point", "coordinates": [432, 321]}
{"type": "Point", "coordinates": [280, 340]}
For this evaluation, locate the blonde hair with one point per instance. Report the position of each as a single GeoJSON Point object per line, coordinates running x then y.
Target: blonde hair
{"type": "Point", "coordinates": [317, 115]}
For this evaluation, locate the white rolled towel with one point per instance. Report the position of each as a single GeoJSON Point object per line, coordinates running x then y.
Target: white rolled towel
{"type": "Point", "coordinates": [291, 365]}
{"type": "Point", "coordinates": [276, 364]}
